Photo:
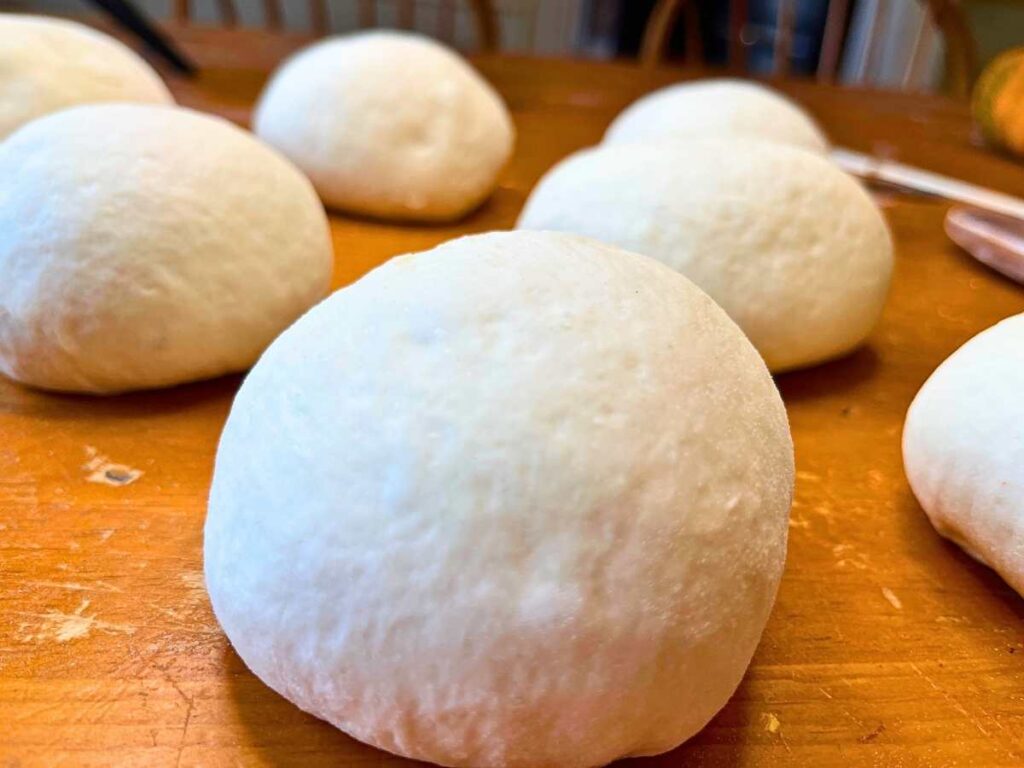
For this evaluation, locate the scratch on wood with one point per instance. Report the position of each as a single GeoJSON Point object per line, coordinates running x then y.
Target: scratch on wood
{"type": "Point", "coordinates": [992, 718]}
{"type": "Point", "coordinates": [894, 601]}
{"type": "Point", "coordinates": [848, 556]}
{"type": "Point", "coordinates": [169, 612]}
{"type": "Point", "coordinates": [64, 627]}
{"type": "Point", "coordinates": [190, 705]}
{"type": "Point", "coordinates": [952, 700]}
{"type": "Point", "coordinates": [867, 738]}
{"type": "Point", "coordinates": [72, 586]}
{"type": "Point", "coordinates": [839, 631]}
{"type": "Point", "coordinates": [853, 717]}
{"type": "Point", "coordinates": [193, 580]}
{"type": "Point", "coordinates": [106, 472]}
{"type": "Point", "coordinates": [773, 725]}
{"type": "Point", "coordinates": [823, 510]}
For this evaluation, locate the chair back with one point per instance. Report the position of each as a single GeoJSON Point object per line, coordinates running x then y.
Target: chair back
{"type": "Point", "coordinates": [368, 14]}
{"type": "Point", "coordinates": [945, 17]}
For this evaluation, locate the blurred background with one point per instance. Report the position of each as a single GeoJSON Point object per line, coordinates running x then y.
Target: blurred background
{"type": "Point", "coordinates": [882, 43]}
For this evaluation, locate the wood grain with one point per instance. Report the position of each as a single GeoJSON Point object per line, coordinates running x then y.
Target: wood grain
{"type": "Point", "coordinates": [887, 647]}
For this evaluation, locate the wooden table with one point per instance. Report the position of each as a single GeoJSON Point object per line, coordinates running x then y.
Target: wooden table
{"type": "Point", "coordinates": [887, 647]}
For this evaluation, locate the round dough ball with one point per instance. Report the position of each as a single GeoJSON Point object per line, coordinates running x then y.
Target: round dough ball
{"type": "Point", "coordinates": [143, 246]}
{"type": "Point", "coordinates": [716, 108]}
{"type": "Point", "coordinates": [790, 246]}
{"type": "Point", "coordinates": [388, 124]}
{"type": "Point", "coordinates": [49, 64]}
{"type": "Point", "coordinates": [963, 448]}
{"type": "Point", "coordinates": [519, 501]}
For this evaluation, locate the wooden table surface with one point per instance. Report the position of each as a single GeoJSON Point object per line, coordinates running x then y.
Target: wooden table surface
{"type": "Point", "coordinates": [887, 647]}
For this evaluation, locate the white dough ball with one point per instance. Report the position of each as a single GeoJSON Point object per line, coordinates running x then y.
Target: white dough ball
{"type": "Point", "coordinates": [50, 64]}
{"type": "Point", "coordinates": [963, 448]}
{"type": "Point", "coordinates": [790, 246]}
{"type": "Point", "coordinates": [519, 501]}
{"type": "Point", "coordinates": [715, 109]}
{"type": "Point", "coordinates": [388, 124]}
{"type": "Point", "coordinates": [143, 246]}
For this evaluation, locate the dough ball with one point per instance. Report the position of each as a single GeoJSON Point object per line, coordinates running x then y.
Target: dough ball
{"type": "Point", "coordinates": [143, 246]}
{"type": "Point", "coordinates": [963, 448]}
{"type": "Point", "coordinates": [50, 64]}
{"type": "Point", "coordinates": [714, 109]}
{"type": "Point", "coordinates": [518, 501]}
{"type": "Point", "coordinates": [789, 245]}
{"type": "Point", "coordinates": [388, 124]}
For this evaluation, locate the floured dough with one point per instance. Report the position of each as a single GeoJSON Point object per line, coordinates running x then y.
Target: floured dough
{"type": "Point", "coordinates": [518, 501]}
{"type": "Point", "coordinates": [49, 64]}
{"type": "Point", "coordinates": [790, 246]}
{"type": "Point", "coordinates": [716, 109]}
{"type": "Point", "coordinates": [388, 124]}
{"type": "Point", "coordinates": [143, 246]}
{"type": "Point", "coordinates": [963, 448]}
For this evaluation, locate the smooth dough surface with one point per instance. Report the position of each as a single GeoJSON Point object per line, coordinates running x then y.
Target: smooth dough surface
{"type": "Point", "coordinates": [143, 246]}
{"type": "Point", "coordinates": [790, 246]}
{"type": "Point", "coordinates": [388, 124]}
{"type": "Point", "coordinates": [963, 448]}
{"type": "Point", "coordinates": [518, 501]}
{"type": "Point", "coordinates": [714, 109]}
{"type": "Point", "coordinates": [48, 64]}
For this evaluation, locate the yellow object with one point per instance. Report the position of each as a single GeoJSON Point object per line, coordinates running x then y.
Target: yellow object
{"type": "Point", "coordinates": [998, 101]}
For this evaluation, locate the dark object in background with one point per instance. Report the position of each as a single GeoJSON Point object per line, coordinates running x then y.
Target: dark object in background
{"type": "Point", "coordinates": [633, 22]}
{"type": "Point", "coordinates": [131, 19]}
{"type": "Point", "coordinates": [757, 35]}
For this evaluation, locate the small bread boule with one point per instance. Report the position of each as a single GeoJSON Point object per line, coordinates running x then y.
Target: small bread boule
{"type": "Point", "coordinates": [49, 64]}
{"type": "Point", "coordinates": [715, 109]}
{"type": "Point", "coordinates": [790, 246]}
{"type": "Point", "coordinates": [963, 448]}
{"type": "Point", "coordinates": [144, 246]}
{"type": "Point", "coordinates": [388, 124]}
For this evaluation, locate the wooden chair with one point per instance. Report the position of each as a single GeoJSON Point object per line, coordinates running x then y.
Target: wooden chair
{"type": "Point", "coordinates": [483, 15]}
{"type": "Point", "coordinates": [947, 16]}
